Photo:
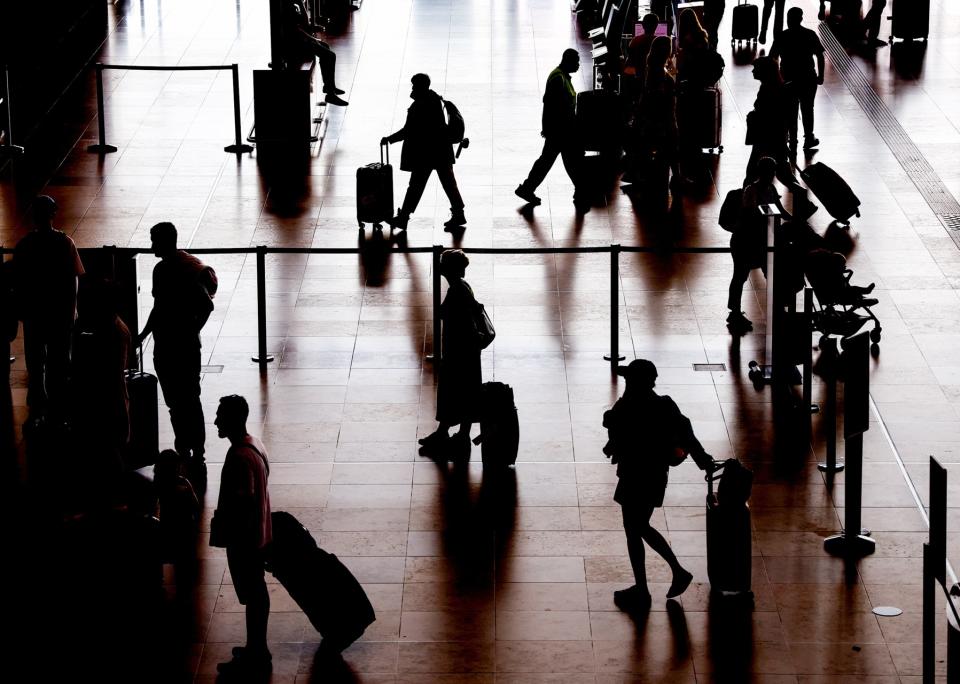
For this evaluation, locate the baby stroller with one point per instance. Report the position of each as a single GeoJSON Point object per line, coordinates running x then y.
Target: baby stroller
{"type": "Point", "coordinates": [842, 308]}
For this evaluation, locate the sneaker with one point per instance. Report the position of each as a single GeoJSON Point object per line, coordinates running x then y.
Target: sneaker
{"type": "Point", "coordinates": [247, 665]}
{"type": "Point", "coordinates": [527, 195]}
{"type": "Point", "coordinates": [334, 99]}
{"type": "Point", "coordinates": [876, 43]}
{"type": "Point", "coordinates": [399, 221]}
{"type": "Point", "coordinates": [581, 206]}
{"type": "Point", "coordinates": [456, 221]}
{"type": "Point", "coordinates": [459, 448]}
{"type": "Point", "coordinates": [632, 600]}
{"type": "Point", "coordinates": [334, 90]}
{"type": "Point", "coordinates": [681, 581]}
{"type": "Point", "coordinates": [433, 443]}
{"type": "Point", "coordinates": [738, 321]}
{"type": "Point", "coordinates": [811, 143]}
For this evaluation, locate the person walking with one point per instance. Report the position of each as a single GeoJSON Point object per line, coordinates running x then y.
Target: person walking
{"type": "Point", "coordinates": [426, 149]}
{"type": "Point", "coordinates": [768, 123]}
{"type": "Point", "coordinates": [648, 434]}
{"type": "Point", "coordinates": [559, 133]}
{"type": "Point", "coordinates": [242, 525]}
{"type": "Point", "coordinates": [872, 22]}
{"type": "Point", "coordinates": [777, 7]}
{"type": "Point", "coordinates": [797, 49]}
{"type": "Point", "coordinates": [183, 288]}
{"type": "Point", "coordinates": [47, 268]}
{"type": "Point", "coordinates": [458, 387]}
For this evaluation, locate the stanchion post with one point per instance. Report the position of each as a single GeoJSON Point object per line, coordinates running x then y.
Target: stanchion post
{"type": "Point", "coordinates": [238, 146]}
{"type": "Point", "coordinates": [854, 542]}
{"type": "Point", "coordinates": [929, 619]}
{"type": "Point", "coordinates": [807, 328]}
{"type": "Point", "coordinates": [7, 147]}
{"type": "Point", "coordinates": [101, 147]}
{"type": "Point", "coordinates": [437, 354]}
{"type": "Point", "coordinates": [262, 357]}
{"type": "Point", "coordinates": [614, 356]}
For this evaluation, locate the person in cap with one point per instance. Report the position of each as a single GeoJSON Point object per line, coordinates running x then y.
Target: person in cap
{"type": "Point", "coordinates": [648, 434]}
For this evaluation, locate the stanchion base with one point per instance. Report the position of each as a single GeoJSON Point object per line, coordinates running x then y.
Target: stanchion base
{"type": "Point", "coordinates": [257, 359]}
{"type": "Point", "coordinates": [854, 546]}
{"type": "Point", "coordinates": [609, 357]}
{"type": "Point", "coordinates": [827, 468]}
{"type": "Point", "coordinates": [238, 149]}
{"type": "Point", "coordinates": [101, 149]}
{"type": "Point", "coordinates": [11, 150]}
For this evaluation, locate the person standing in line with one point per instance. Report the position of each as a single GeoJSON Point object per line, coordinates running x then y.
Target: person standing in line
{"type": "Point", "coordinates": [768, 7]}
{"type": "Point", "coordinates": [458, 387]}
{"type": "Point", "coordinates": [648, 434]}
{"type": "Point", "coordinates": [426, 149]}
{"type": "Point", "coordinates": [183, 288]}
{"type": "Point", "coordinates": [797, 48]}
{"type": "Point", "coordinates": [559, 133]}
{"type": "Point", "coordinates": [242, 525]}
{"type": "Point", "coordinates": [47, 269]}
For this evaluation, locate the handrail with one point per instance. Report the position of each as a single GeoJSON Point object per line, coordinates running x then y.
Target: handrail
{"type": "Point", "coordinates": [238, 146]}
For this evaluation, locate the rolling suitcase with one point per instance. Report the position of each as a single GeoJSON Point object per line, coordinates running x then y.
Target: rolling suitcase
{"type": "Point", "coordinates": [728, 532]}
{"type": "Point", "coordinates": [323, 587]}
{"type": "Point", "coordinates": [375, 191]}
{"type": "Point", "coordinates": [499, 436]}
{"type": "Point", "coordinates": [837, 197]}
{"type": "Point", "coordinates": [144, 444]}
{"type": "Point", "coordinates": [910, 20]}
{"type": "Point", "coordinates": [708, 116]}
{"type": "Point", "coordinates": [598, 120]}
{"type": "Point", "coordinates": [746, 22]}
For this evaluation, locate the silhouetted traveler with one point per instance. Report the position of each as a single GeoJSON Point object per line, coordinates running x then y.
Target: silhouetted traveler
{"type": "Point", "coordinates": [101, 406]}
{"type": "Point", "coordinates": [241, 524]}
{"type": "Point", "coordinates": [698, 66]}
{"type": "Point", "coordinates": [458, 387]}
{"type": "Point", "coordinates": [768, 7]}
{"type": "Point", "coordinates": [797, 48]}
{"type": "Point", "coordinates": [426, 148]}
{"type": "Point", "coordinates": [872, 22]}
{"type": "Point", "coordinates": [712, 16]}
{"type": "Point", "coordinates": [47, 266]}
{"type": "Point", "coordinates": [179, 514]}
{"type": "Point", "coordinates": [559, 132]}
{"type": "Point", "coordinates": [658, 111]}
{"type": "Point", "coordinates": [648, 434]}
{"type": "Point", "coordinates": [748, 243]}
{"type": "Point", "coordinates": [300, 45]}
{"type": "Point", "coordinates": [768, 122]}
{"type": "Point", "coordinates": [182, 290]}
{"type": "Point", "coordinates": [639, 48]}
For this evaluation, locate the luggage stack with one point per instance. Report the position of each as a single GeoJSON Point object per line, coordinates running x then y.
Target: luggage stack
{"type": "Point", "coordinates": [910, 20]}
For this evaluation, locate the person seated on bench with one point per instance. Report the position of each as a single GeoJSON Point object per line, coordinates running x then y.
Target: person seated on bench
{"type": "Point", "coordinates": [301, 45]}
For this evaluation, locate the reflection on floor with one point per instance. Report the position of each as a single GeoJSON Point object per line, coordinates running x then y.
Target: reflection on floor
{"type": "Point", "coordinates": [475, 580]}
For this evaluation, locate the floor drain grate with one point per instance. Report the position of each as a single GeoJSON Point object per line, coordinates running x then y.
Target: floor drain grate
{"type": "Point", "coordinates": [709, 367]}
{"type": "Point", "coordinates": [928, 183]}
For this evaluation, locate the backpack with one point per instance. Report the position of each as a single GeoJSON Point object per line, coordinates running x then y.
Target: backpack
{"type": "Point", "coordinates": [731, 210]}
{"type": "Point", "coordinates": [484, 326]}
{"type": "Point", "coordinates": [204, 292]}
{"type": "Point", "coordinates": [456, 126]}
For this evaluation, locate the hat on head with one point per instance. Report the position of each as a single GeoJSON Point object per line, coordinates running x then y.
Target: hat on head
{"type": "Point", "coordinates": [639, 370]}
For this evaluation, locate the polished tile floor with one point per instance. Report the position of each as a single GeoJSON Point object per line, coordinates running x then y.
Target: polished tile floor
{"type": "Point", "coordinates": [476, 580]}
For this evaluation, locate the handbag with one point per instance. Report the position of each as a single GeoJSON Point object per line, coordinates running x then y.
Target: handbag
{"type": "Point", "coordinates": [218, 535]}
{"type": "Point", "coordinates": [483, 326]}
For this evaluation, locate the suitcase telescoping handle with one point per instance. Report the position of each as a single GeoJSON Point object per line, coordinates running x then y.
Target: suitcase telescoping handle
{"type": "Point", "coordinates": [714, 474]}
{"type": "Point", "coordinates": [385, 153]}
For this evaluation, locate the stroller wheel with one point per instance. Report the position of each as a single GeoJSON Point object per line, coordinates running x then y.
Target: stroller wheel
{"type": "Point", "coordinates": [875, 335]}
{"type": "Point", "coordinates": [874, 350]}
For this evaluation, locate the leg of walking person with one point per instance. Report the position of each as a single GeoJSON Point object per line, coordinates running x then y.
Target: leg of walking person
{"type": "Point", "coordinates": [572, 155]}
{"type": "Point", "coordinates": [794, 92]}
{"type": "Point", "coordinates": [448, 181]}
{"type": "Point", "coordinates": [415, 188]}
{"type": "Point", "coordinates": [193, 408]}
{"type": "Point", "coordinates": [765, 20]}
{"type": "Point", "coordinates": [541, 167]}
{"type": "Point", "coordinates": [872, 22]}
{"type": "Point", "coordinates": [636, 518]}
{"type": "Point", "coordinates": [35, 353]}
{"type": "Point", "coordinates": [778, 14]}
{"type": "Point", "coordinates": [807, 96]}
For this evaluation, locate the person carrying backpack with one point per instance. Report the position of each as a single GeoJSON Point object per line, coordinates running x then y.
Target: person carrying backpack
{"type": "Point", "coordinates": [183, 290]}
{"type": "Point", "coordinates": [648, 434]}
{"type": "Point", "coordinates": [427, 148]}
